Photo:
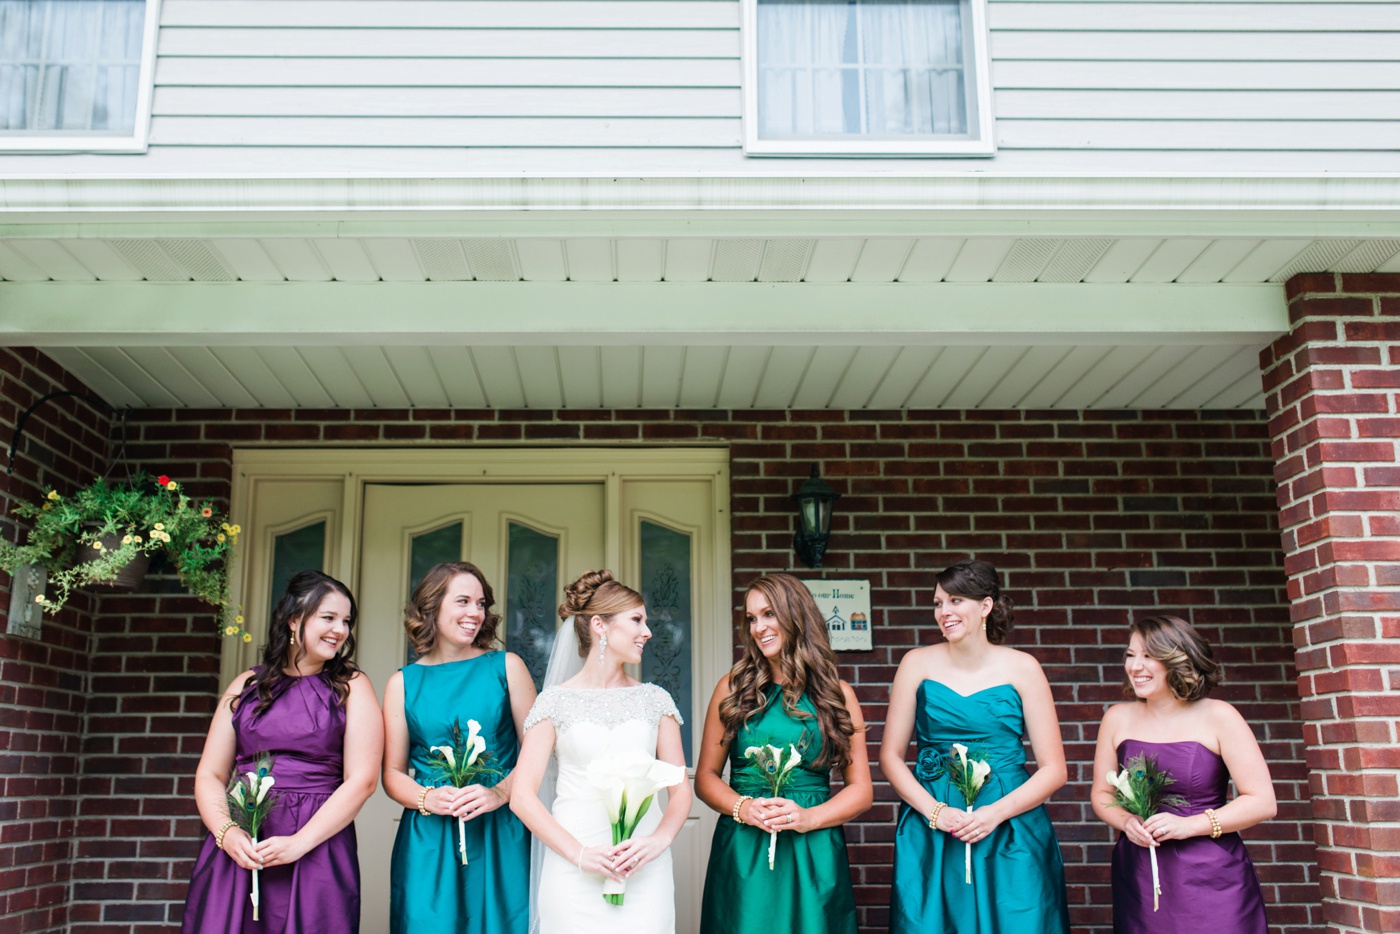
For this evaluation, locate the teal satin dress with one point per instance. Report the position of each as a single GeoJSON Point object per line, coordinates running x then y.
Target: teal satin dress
{"type": "Point", "coordinates": [1018, 877]}
{"type": "Point", "coordinates": [808, 890]}
{"type": "Point", "coordinates": [430, 889]}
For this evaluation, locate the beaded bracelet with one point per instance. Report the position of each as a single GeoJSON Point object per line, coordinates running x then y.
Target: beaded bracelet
{"type": "Point", "coordinates": [581, 848]}
{"type": "Point", "coordinates": [423, 802]}
{"type": "Point", "coordinates": [938, 807]}
{"type": "Point", "coordinates": [1215, 829]}
{"type": "Point", "coordinates": [221, 832]}
{"type": "Point", "coordinates": [738, 806]}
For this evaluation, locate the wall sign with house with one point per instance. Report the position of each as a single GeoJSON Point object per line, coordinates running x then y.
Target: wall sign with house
{"type": "Point", "coordinates": [846, 606]}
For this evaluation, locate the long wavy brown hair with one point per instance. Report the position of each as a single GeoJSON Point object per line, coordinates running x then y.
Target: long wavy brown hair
{"type": "Point", "coordinates": [807, 666]}
{"type": "Point", "coordinates": [302, 599]}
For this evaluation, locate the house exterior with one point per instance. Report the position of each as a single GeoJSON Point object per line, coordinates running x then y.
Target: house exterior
{"type": "Point", "coordinates": [1105, 293]}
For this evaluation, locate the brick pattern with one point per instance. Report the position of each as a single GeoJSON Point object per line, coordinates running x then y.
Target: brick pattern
{"type": "Point", "coordinates": [43, 682]}
{"type": "Point", "coordinates": [1093, 516]}
{"type": "Point", "coordinates": [1334, 418]}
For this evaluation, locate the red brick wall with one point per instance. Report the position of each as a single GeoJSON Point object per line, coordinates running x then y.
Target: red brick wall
{"type": "Point", "coordinates": [42, 682]}
{"type": "Point", "coordinates": [1332, 399]}
{"type": "Point", "coordinates": [1092, 516]}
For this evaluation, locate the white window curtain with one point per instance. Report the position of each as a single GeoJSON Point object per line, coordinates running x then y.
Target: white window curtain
{"type": "Point", "coordinates": [866, 68]}
{"type": "Point", "coordinates": [70, 66]}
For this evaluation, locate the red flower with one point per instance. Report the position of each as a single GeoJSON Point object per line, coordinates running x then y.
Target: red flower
{"type": "Point", "coordinates": [162, 480]}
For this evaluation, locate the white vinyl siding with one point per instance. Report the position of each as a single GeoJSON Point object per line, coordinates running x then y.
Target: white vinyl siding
{"type": "Point", "coordinates": [648, 87]}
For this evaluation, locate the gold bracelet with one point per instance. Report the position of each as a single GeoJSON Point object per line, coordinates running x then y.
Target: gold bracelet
{"type": "Point", "coordinates": [423, 802]}
{"type": "Point", "coordinates": [938, 807]}
{"type": "Point", "coordinates": [219, 834]}
{"type": "Point", "coordinates": [738, 806]}
{"type": "Point", "coordinates": [1215, 829]}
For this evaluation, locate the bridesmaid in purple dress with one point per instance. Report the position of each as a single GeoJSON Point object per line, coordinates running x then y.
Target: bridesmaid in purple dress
{"type": "Point", "coordinates": [1208, 882]}
{"type": "Point", "coordinates": [315, 712]}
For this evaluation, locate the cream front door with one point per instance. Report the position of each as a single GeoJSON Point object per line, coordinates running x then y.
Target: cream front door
{"type": "Point", "coordinates": [531, 539]}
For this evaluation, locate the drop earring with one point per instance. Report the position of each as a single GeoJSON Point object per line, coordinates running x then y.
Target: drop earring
{"type": "Point", "coordinates": [602, 649]}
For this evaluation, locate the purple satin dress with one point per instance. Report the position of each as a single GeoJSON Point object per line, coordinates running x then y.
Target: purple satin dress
{"type": "Point", "coordinates": [304, 729]}
{"type": "Point", "coordinates": [1207, 885]}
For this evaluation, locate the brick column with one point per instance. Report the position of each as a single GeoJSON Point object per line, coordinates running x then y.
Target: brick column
{"type": "Point", "coordinates": [1334, 421]}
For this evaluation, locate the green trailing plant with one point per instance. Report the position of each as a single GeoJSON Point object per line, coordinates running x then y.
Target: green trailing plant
{"type": "Point", "coordinates": [89, 536]}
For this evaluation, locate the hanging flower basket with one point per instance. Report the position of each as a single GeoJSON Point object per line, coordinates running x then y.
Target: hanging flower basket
{"type": "Point", "coordinates": [103, 535]}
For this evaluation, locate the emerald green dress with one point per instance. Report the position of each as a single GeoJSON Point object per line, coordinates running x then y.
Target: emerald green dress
{"type": "Point", "coordinates": [429, 888]}
{"type": "Point", "coordinates": [1018, 878]}
{"type": "Point", "coordinates": [808, 890]}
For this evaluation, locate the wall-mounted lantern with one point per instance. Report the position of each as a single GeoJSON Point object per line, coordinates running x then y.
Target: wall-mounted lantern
{"type": "Point", "coordinates": [814, 499]}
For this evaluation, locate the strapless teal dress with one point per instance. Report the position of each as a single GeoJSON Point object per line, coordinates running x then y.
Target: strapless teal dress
{"type": "Point", "coordinates": [429, 888]}
{"type": "Point", "coordinates": [808, 890]}
{"type": "Point", "coordinates": [1018, 878]}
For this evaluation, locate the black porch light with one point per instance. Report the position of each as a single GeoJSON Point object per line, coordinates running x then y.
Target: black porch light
{"type": "Point", "coordinates": [814, 499]}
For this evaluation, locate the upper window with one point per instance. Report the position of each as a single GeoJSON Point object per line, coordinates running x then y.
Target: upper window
{"type": "Point", "coordinates": [866, 77]}
{"type": "Point", "coordinates": [76, 74]}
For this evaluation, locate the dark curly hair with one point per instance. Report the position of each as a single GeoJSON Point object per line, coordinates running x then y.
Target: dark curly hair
{"type": "Point", "coordinates": [1192, 671]}
{"type": "Point", "coordinates": [978, 580]}
{"type": "Point", "coordinates": [303, 597]}
{"type": "Point", "coordinates": [421, 613]}
{"type": "Point", "coordinates": [808, 667]}
{"type": "Point", "coordinates": [595, 593]}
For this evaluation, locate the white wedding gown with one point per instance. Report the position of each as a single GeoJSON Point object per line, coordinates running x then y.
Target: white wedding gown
{"type": "Point", "coordinates": [588, 723]}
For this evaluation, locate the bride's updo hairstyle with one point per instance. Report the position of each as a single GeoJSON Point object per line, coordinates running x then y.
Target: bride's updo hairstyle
{"type": "Point", "coordinates": [595, 594]}
{"type": "Point", "coordinates": [977, 580]}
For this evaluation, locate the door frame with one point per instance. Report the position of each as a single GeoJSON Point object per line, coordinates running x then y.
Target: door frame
{"type": "Point", "coordinates": [354, 468]}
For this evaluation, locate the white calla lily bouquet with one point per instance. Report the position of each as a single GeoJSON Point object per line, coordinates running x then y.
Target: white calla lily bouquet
{"type": "Point", "coordinates": [464, 761]}
{"type": "Point", "coordinates": [775, 769]}
{"type": "Point", "coordinates": [250, 800]}
{"type": "Point", "coordinates": [1137, 789]}
{"type": "Point", "coordinates": [968, 775]}
{"type": "Point", "coordinates": [628, 780]}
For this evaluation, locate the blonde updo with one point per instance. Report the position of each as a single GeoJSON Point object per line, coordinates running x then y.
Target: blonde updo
{"type": "Point", "coordinates": [595, 593]}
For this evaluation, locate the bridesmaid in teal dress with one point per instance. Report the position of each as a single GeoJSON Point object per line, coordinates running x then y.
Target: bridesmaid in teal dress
{"type": "Point", "coordinates": [974, 691]}
{"type": "Point", "coordinates": [783, 691]}
{"type": "Point", "coordinates": [459, 676]}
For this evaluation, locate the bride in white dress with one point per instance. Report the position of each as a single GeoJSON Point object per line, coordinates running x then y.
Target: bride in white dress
{"type": "Point", "coordinates": [599, 710]}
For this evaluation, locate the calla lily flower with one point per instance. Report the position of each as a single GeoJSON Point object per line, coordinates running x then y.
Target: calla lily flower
{"type": "Point", "coordinates": [475, 742]}
{"type": "Point", "coordinates": [264, 787]}
{"type": "Point", "coordinates": [980, 771]}
{"type": "Point", "coordinates": [446, 754]}
{"type": "Point", "coordinates": [1120, 780]}
{"type": "Point", "coordinates": [627, 781]}
{"type": "Point", "coordinates": [961, 750]}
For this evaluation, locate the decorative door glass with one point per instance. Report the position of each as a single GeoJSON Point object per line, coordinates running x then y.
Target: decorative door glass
{"type": "Point", "coordinates": [428, 549]}
{"type": "Point", "coordinates": [532, 582]}
{"type": "Point", "coordinates": [300, 549]}
{"type": "Point", "coordinates": [666, 588]}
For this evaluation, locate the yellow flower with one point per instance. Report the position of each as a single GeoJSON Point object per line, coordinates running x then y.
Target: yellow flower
{"type": "Point", "coordinates": [247, 637]}
{"type": "Point", "coordinates": [230, 630]}
{"type": "Point", "coordinates": [172, 485]}
{"type": "Point", "coordinates": [238, 620]}
{"type": "Point", "coordinates": [39, 599]}
{"type": "Point", "coordinates": [48, 505]}
{"type": "Point", "coordinates": [126, 539]}
{"type": "Point", "coordinates": [221, 537]}
{"type": "Point", "coordinates": [224, 526]}
{"type": "Point", "coordinates": [160, 526]}
{"type": "Point", "coordinates": [53, 494]}
{"type": "Point", "coordinates": [136, 539]}
{"type": "Point", "coordinates": [97, 545]}
{"type": "Point", "coordinates": [235, 529]}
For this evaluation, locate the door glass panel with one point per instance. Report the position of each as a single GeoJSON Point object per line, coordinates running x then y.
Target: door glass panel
{"type": "Point", "coordinates": [666, 590]}
{"type": "Point", "coordinates": [428, 549]}
{"type": "Point", "coordinates": [532, 577]}
{"type": "Point", "coordinates": [302, 549]}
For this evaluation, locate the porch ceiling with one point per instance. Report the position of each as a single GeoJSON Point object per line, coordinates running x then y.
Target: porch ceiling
{"type": "Point", "coordinates": [621, 322]}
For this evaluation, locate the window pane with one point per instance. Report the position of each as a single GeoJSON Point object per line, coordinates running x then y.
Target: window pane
{"type": "Point", "coordinates": [70, 65]}
{"type": "Point", "coordinates": [426, 550]}
{"type": "Point", "coordinates": [886, 69]}
{"type": "Point", "coordinates": [666, 590]}
{"type": "Point", "coordinates": [532, 577]}
{"type": "Point", "coordinates": [302, 549]}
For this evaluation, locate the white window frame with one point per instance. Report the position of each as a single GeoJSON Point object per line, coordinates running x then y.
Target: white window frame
{"type": "Point", "coordinates": [136, 141]}
{"type": "Point", "coordinates": [978, 57]}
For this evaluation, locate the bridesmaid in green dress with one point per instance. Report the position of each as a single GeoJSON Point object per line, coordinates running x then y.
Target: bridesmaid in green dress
{"type": "Point", "coordinates": [784, 690]}
{"type": "Point", "coordinates": [975, 691]}
{"type": "Point", "coordinates": [458, 676]}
